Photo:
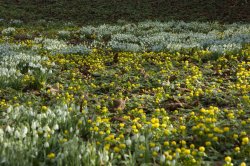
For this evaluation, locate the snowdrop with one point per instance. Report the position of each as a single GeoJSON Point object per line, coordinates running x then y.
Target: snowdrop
{"type": "Point", "coordinates": [1, 135]}
{"type": "Point", "coordinates": [8, 31]}
{"type": "Point", "coordinates": [142, 138]}
{"type": "Point", "coordinates": [46, 145]}
{"type": "Point", "coordinates": [162, 158]}
{"type": "Point", "coordinates": [9, 129]}
{"type": "Point", "coordinates": [173, 35]}
{"type": "Point", "coordinates": [56, 127]}
{"type": "Point", "coordinates": [53, 44]}
{"type": "Point", "coordinates": [70, 49]}
{"type": "Point", "coordinates": [17, 134]}
{"type": "Point", "coordinates": [63, 34]}
{"type": "Point", "coordinates": [24, 131]}
{"type": "Point", "coordinates": [128, 142]}
{"type": "Point", "coordinates": [34, 125]}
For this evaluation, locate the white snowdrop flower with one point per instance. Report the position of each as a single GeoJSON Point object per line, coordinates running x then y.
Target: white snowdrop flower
{"type": "Point", "coordinates": [71, 129]}
{"type": "Point", "coordinates": [15, 115]}
{"type": "Point", "coordinates": [80, 156]}
{"type": "Point", "coordinates": [46, 128]}
{"type": "Point", "coordinates": [44, 115]}
{"type": "Point", "coordinates": [1, 132]}
{"type": "Point", "coordinates": [30, 71]}
{"type": "Point", "coordinates": [45, 135]}
{"type": "Point", "coordinates": [56, 127]}
{"type": "Point", "coordinates": [46, 144]}
{"type": "Point", "coordinates": [9, 129]}
{"type": "Point", "coordinates": [77, 132]}
{"type": "Point", "coordinates": [39, 117]}
{"type": "Point", "coordinates": [1, 135]}
{"type": "Point", "coordinates": [65, 107]}
{"type": "Point", "coordinates": [35, 135]}
{"type": "Point", "coordinates": [9, 109]}
{"type": "Point", "coordinates": [171, 126]}
{"type": "Point", "coordinates": [17, 109]}
{"type": "Point", "coordinates": [34, 125]}
{"type": "Point", "coordinates": [128, 142]}
{"type": "Point", "coordinates": [150, 135]}
{"type": "Point", "coordinates": [40, 130]}
{"type": "Point", "coordinates": [52, 114]}
{"type": "Point", "coordinates": [32, 113]}
{"type": "Point", "coordinates": [142, 138]}
{"type": "Point", "coordinates": [43, 70]}
{"type": "Point", "coordinates": [162, 158]}
{"type": "Point", "coordinates": [24, 131]}
{"type": "Point", "coordinates": [6, 145]}
{"type": "Point", "coordinates": [8, 31]}
{"type": "Point", "coordinates": [50, 71]}
{"type": "Point", "coordinates": [157, 148]}
{"type": "Point", "coordinates": [105, 157]}
{"type": "Point", "coordinates": [17, 134]}
{"type": "Point", "coordinates": [135, 137]}
{"type": "Point", "coordinates": [63, 119]}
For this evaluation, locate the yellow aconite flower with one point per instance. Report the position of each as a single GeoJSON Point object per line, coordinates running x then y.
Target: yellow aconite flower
{"type": "Point", "coordinates": [121, 125]}
{"type": "Point", "coordinates": [154, 153]}
{"type": "Point", "coordinates": [166, 143]}
{"type": "Point", "coordinates": [192, 146]}
{"type": "Point", "coordinates": [117, 149]}
{"type": "Point", "coordinates": [122, 146]}
{"type": "Point", "coordinates": [237, 149]}
{"type": "Point", "coordinates": [182, 127]}
{"type": "Point", "coordinates": [235, 136]}
{"type": "Point", "coordinates": [44, 108]}
{"type": "Point", "coordinates": [201, 149]}
{"type": "Point", "coordinates": [173, 143]}
{"type": "Point", "coordinates": [226, 129]}
{"type": "Point", "coordinates": [51, 155]}
{"type": "Point", "coordinates": [245, 140]}
{"type": "Point", "coordinates": [208, 143]}
{"type": "Point", "coordinates": [228, 159]}
{"type": "Point", "coordinates": [187, 151]}
{"type": "Point", "coordinates": [243, 164]}
{"type": "Point", "coordinates": [107, 146]}
{"type": "Point", "coordinates": [178, 150]}
{"type": "Point", "coordinates": [152, 144]}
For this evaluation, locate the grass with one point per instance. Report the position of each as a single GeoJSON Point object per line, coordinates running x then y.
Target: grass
{"type": "Point", "coordinates": [100, 11]}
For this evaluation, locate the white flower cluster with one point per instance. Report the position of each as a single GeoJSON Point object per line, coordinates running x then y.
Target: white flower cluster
{"type": "Point", "coordinates": [71, 49]}
{"type": "Point", "coordinates": [64, 34]}
{"type": "Point", "coordinates": [53, 44]}
{"type": "Point", "coordinates": [12, 61]}
{"type": "Point", "coordinates": [60, 47]}
{"type": "Point", "coordinates": [171, 36]}
{"type": "Point", "coordinates": [129, 47]}
{"type": "Point", "coordinates": [29, 131]}
{"type": "Point", "coordinates": [16, 22]}
{"type": "Point", "coordinates": [8, 31]}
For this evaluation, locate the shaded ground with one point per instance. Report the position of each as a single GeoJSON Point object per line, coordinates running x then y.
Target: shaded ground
{"type": "Point", "coordinates": [101, 11]}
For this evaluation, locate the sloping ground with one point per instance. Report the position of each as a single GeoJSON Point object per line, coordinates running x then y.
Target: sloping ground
{"type": "Point", "coordinates": [66, 99]}
{"type": "Point", "coordinates": [102, 11]}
